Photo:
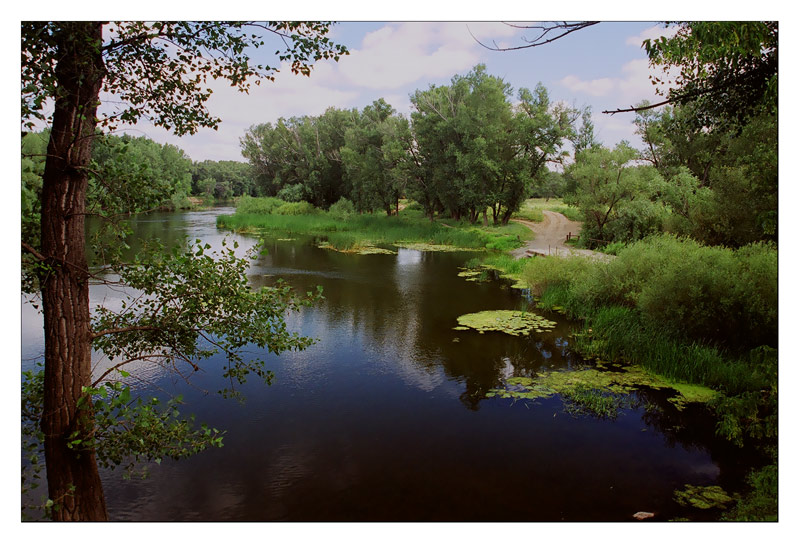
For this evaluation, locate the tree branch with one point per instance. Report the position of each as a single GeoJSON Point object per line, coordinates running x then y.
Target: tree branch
{"type": "Point", "coordinates": [30, 249]}
{"type": "Point", "coordinates": [564, 27]}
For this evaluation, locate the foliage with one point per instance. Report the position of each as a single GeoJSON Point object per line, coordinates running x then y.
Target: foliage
{"type": "Point", "coordinates": [728, 69]}
{"type": "Point", "coordinates": [258, 205]}
{"type": "Point", "coordinates": [475, 151]}
{"type": "Point", "coordinates": [374, 157]}
{"type": "Point", "coordinates": [342, 209]}
{"type": "Point", "coordinates": [191, 305]}
{"type": "Point", "coordinates": [232, 178]}
{"type": "Point", "coordinates": [295, 208]}
{"type": "Point", "coordinates": [292, 193]}
{"type": "Point", "coordinates": [681, 285]}
{"type": "Point", "coordinates": [136, 174]}
{"type": "Point", "coordinates": [303, 151]}
{"type": "Point", "coordinates": [614, 196]}
{"type": "Point", "coordinates": [159, 70]}
{"type": "Point", "coordinates": [761, 503]}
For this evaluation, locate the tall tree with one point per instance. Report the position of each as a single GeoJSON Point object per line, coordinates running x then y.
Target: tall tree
{"type": "Point", "coordinates": [372, 156]}
{"type": "Point", "coordinates": [157, 71]}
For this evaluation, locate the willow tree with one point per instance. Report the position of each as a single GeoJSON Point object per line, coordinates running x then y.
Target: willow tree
{"type": "Point", "coordinates": [160, 72]}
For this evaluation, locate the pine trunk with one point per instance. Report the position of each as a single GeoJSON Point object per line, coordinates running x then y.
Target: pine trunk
{"type": "Point", "coordinates": [73, 479]}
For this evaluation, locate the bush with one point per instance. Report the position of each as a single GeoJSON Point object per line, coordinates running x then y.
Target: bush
{"type": "Point", "coordinates": [342, 209]}
{"type": "Point", "coordinates": [258, 206]}
{"type": "Point", "coordinates": [715, 294]}
{"type": "Point", "coordinates": [292, 193]}
{"type": "Point", "coordinates": [295, 208]}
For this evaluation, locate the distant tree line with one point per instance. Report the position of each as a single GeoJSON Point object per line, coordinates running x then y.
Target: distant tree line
{"type": "Point", "coordinates": [122, 165]}
{"type": "Point", "coordinates": [466, 151]}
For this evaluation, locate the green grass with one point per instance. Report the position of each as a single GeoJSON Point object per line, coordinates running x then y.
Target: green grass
{"type": "Point", "coordinates": [531, 209]}
{"type": "Point", "coordinates": [359, 230]}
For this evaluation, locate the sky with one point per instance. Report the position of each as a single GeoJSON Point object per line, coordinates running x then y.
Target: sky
{"type": "Point", "coordinates": [603, 67]}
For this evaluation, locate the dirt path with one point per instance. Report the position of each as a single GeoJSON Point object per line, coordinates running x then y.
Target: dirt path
{"type": "Point", "coordinates": [550, 236]}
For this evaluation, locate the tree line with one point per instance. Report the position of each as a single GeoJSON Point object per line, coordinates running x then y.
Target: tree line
{"type": "Point", "coordinates": [467, 150]}
{"type": "Point", "coordinates": [167, 171]}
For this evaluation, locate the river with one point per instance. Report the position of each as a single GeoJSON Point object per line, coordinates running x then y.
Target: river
{"type": "Point", "coordinates": [386, 417]}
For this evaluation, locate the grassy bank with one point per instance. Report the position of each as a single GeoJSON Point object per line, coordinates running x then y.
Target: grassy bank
{"type": "Point", "coordinates": [690, 313]}
{"type": "Point", "coordinates": [348, 231]}
{"type": "Point", "coordinates": [531, 209]}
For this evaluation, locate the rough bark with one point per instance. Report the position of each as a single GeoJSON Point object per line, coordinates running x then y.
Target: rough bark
{"type": "Point", "coordinates": [72, 475]}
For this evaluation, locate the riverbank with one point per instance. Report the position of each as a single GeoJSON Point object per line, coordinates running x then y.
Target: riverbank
{"type": "Point", "coordinates": [694, 314]}
{"type": "Point", "coordinates": [354, 232]}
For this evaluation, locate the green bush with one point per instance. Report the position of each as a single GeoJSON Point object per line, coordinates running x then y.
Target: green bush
{"type": "Point", "coordinates": [710, 294]}
{"type": "Point", "coordinates": [258, 206]}
{"type": "Point", "coordinates": [342, 209]}
{"type": "Point", "coordinates": [292, 193]}
{"type": "Point", "coordinates": [295, 208]}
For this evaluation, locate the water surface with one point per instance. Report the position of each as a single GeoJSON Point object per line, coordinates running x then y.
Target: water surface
{"type": "Point", "coordinates": [385, 417]}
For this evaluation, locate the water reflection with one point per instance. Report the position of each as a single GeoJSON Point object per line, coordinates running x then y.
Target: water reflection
{"type": "Point", "coordinates": [386, 418]}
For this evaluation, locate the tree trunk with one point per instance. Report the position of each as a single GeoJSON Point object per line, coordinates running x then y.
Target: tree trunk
{"type": "Point", "coordinates": [72, 477]}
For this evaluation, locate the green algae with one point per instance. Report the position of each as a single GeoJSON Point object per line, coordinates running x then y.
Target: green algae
{"type": "Point", "coordinates": [421, 246]}
{"type": "Point", "coordinates": [359, 250]}
{"type": "Point", "coordinates": [517, 282]}
{"type": "Point", "coordinates": [599, 390]}
{"type": "Point", "coordinates": [511, 322]}
{"type": "Point", "coordinates": [707, 497]}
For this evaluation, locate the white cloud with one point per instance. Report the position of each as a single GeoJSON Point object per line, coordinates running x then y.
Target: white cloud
{"type": "Point", "coordinates": [632, 86]}
{"type": "Point", "coordinates": [651, 33]}
{"type": "Point", "coordinates": [595, 87]}
{"type": "Point", "coordinates": [402, 54]}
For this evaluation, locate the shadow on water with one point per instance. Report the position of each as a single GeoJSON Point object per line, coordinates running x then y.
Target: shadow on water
{"type": "Point", "coordinates": [386, 416]}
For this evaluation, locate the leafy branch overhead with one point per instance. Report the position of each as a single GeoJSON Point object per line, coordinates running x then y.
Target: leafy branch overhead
{"type": "Point", "coordinates": [192, 304]}
{"type": "Point", "coordinates": [160, 71]}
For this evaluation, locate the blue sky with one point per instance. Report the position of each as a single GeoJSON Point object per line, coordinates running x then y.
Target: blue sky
{"type": "Point", "coordinates": [603, 66]}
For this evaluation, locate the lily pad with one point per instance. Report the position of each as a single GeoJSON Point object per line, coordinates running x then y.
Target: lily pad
{"type": "Point", "coordinates": [599, 390]}
{"type": "Point", "coordinates": [511, 322]}
{"type": "Point", "coordinates": [360, 250]}
{"type": "Point", "coordinates": [707, 497]}
{"type": "Point", "coordinates": [434, 247]}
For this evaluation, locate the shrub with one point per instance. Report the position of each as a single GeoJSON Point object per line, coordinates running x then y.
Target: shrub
{"type": "Point", "coordinates": [292, 193]}
{"type": "Point", "coordinates": [295, 208]}
{"type": "Point", "coordinates": [715, 294]}
{"type": "Point", "coordinates": [258, 206]}
{"type": "Point", "coordinates": [342, 209]}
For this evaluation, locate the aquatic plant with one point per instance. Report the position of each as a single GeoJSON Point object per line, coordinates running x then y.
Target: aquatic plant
{"type": "Point", "coordinates": [707, 497]}
{"type": "Point", "coordinates": [511, 322]}
{"type": "Point", "coordinates": [599, 390]}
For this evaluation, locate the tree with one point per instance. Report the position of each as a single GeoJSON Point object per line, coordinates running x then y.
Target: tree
{"type": "Point", "coordinates": [372, 156]}
{"type": "Point", "coordinates": [727, 69]}
{"type": "Point", "coordinates": [157, 71]}
{"type": "Point", "coordinates": [614, 195]}
{"type": "Point", "coordinates": [301, 151]}
{"type": "Point", "coordinates": [475, 151]}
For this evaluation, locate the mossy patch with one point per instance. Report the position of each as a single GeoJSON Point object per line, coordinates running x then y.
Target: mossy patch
{"type": "Point", "coordinates": [599, 390]}
{"type": "Point", "coordinates": [420, 246]}
{"type": "Point", "coordinates": [511, 322]}
{"type": "Point", "coordinates": [359, 250]}
{"type": "Point", "coordinates": [707, 497]}
{"type": "Point", "coordinates": [516, 279]}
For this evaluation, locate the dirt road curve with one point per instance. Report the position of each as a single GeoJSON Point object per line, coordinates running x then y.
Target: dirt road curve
{"type": "Point", "coordinates": [551, 234]}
